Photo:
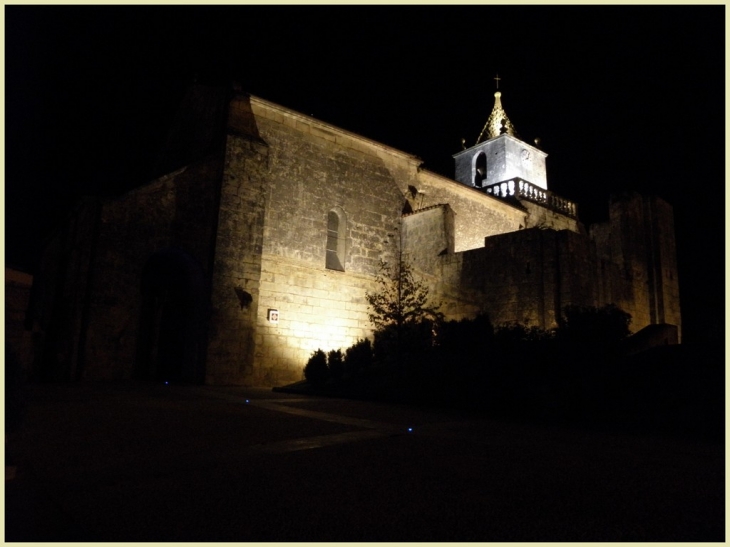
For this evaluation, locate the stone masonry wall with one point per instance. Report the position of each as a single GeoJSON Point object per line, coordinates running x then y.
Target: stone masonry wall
{"type": "Point", "coordinates": [428, 234]}
{"type": "Point", "coordinates": [476, 215]}
{"type": "Point", "coordinates": [317, 309]}
{"type": "Point", "coordinates": [664, 261]}
{"type": "Point", "coordinates": [636, 257]}
{"type": "Point", "coordinates": [237, 272]}
{"type": "Point", "coordinates": [526, 277]}
{"type": "Point", "coordinates": [313, 169]}
{"type": "Point", "coordinates": [176, 211]}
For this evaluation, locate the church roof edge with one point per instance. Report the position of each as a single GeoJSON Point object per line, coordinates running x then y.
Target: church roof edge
{"type": "Point", "coordinates": [326, 125]}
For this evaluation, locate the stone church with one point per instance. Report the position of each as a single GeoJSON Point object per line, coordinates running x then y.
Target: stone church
{"type": "Point", "coordinates": [259, 242]}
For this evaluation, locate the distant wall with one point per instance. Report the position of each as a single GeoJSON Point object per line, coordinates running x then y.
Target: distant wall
{"type": "Point", "coordinates": [530, 276]}
{"type": "Point", "coordinates": [177, 211]}
{"type": "Point", "coordinates": [60, 295]}
{"type": "Point", "coordinates": [527, 277]}
{"type": "Point", "coordinates": [636, 260]}
{"type": "Point", "coordinates": [17, 299]}
{"type": "Point", "coordinates": [88, 292]}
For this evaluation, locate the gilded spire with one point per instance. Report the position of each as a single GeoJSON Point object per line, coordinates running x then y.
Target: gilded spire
{"type": "Point", "coordinates": [498, 122]}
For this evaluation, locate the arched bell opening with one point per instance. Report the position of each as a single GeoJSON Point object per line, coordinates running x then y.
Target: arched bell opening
{"type": "Point", "coordinates": [480, 170]}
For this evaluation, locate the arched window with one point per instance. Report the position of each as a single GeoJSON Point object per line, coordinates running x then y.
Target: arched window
{"type": "Point", "coordinates": [480, 170]}
{"type": "Point", "coordinates": [336, 230]}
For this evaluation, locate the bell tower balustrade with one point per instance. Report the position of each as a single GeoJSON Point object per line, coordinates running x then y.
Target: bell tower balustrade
{"type": "Point", "coordinates": [518, 188]}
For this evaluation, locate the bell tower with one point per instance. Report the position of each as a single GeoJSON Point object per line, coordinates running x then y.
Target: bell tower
{"type": "Point", "coordinates": [499, 155]}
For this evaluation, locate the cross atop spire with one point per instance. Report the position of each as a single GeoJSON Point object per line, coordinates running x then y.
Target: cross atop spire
{"type": "Point", "coordinates": [497, 79]}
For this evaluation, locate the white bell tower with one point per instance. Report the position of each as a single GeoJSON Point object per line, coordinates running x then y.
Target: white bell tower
{"type": "Point", "coordinates": [499, 155]}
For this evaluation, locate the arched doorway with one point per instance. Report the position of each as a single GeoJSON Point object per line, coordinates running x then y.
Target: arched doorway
{"type": "Point", "coordinates": [171, 343]}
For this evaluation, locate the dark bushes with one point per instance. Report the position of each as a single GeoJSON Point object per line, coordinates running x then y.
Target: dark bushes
{"type": "Point", "coordinates": [335, 364]}
{"type": "Point", "coordinates": [316, 370]}
{"type": "Point", "coordinates": [358, 358]}
{"type": "Point", "coordinates": [574, 372]}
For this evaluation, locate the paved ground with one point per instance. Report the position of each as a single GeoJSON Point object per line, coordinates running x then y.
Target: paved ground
{"type": "Point", "coordinates": [160, 463]}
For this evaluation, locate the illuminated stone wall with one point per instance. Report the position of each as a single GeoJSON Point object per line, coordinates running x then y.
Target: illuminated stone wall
{"type": "Point", "coordinates": [476, 215]}
{"type": "Point", "coordinates": [310, 170]}
{"type": "Point", "coordinates": [427, 235]}
{"type": "Point", "coordinates": [316, 310]}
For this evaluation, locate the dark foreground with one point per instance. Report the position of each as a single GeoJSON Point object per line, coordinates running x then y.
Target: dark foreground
{"type": "Point", "coordinates": [135, 463]}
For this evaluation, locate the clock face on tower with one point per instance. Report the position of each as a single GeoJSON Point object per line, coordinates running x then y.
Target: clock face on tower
{"type": "Point", "coordinates": [525, 154]}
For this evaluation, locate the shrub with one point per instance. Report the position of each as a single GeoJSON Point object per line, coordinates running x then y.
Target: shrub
{"type": "Point", "coordinates": [316, 371]}
{"type": "Point", "coordinates": [335, 364]}
{"type": "Point", "coordinates": [467, 339]}
{"type": "Point", "coordinates": [463, 352]}
{"type": "Point", "coordinates": [592, 331]}
{"type": "Point", "coordinates": [358, 358]}
{"type": "Point", "coordinates": [510, 336]}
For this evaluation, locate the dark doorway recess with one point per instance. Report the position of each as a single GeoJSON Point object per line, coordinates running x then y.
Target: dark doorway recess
{"type": "Point", "coordinates": [171, 344]}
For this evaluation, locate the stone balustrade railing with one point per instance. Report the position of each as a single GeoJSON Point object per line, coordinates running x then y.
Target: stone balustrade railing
{"type": "Point", "coordinates": [518, 188]}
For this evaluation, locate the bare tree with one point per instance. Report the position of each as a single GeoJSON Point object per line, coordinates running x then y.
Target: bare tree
{"type": "Point", "coordinates": [400, 299]}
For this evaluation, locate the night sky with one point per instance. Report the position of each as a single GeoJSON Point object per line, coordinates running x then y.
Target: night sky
{"type": "Point", "coordinates": [621, 98]}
